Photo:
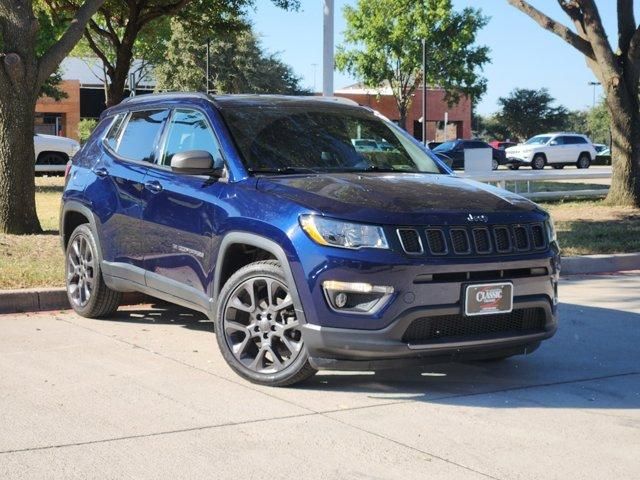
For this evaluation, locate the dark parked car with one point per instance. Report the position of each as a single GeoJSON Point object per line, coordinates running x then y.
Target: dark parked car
{"type": "Point", "coordinates": [455, 151]}
{"type": "Point", "coordinates": [502, 145]}
{"type": "Point", "coordinates": [304, 252]}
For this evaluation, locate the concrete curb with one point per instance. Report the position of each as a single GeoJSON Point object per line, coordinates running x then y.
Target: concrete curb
{"type": "Point", "coordinates": [591, 264]}
{"type": "Point", "coordinates": [34, 300]}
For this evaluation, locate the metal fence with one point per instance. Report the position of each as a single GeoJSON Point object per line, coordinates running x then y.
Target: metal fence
{"type": "Point", "coordinates": [523, 181]}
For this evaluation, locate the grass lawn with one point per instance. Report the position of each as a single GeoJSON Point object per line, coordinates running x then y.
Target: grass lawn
{"type": "Point", "coordinates": [587, 227]}
{"type": "Point", "coordinates": [35, 260]}
{"type": "Point", "coordinates": [584, 227]}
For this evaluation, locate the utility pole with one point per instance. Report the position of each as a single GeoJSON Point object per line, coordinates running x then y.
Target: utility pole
{"type": "Point", "coordinates": [327, 51]}
{"type": "Point", "coordinates": [594, 85]}
{"type": "Point", "coordinates": [208, 68]}
{"type": "Point", "coordinates": [424, 92]}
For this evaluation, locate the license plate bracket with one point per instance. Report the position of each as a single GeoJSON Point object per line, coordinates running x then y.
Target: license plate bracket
{"type": "Point", "coordinates": [488, 298]}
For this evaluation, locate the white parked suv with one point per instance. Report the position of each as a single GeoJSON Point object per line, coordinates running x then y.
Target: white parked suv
{"type": "Point", "coordinates": [53, 153]}
{"type": "Point", "coordinates": [555, 149]}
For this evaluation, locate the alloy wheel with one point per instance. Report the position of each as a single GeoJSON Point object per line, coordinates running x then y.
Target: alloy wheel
{"type": "Point", "coordinates": [81, 271]}
{"type": "Point", "coordinates": [260, 325]}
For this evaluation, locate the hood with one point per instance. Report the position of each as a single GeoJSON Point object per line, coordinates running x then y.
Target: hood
{"type": "Point", "coordinates": [56, 138]}
{"type": "Point", "coordinates": [400, 198]}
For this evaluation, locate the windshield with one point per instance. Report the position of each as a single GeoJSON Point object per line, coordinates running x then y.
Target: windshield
{"type": "Point", "coordinates": [538, 140]}
{"type": "Point", "coordinates": [292, 139]}
{"type": "Point", "coordinates": [443, 147]}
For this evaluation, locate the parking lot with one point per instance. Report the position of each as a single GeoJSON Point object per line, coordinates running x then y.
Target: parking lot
{"type": "Point", "coordinates": [146, 395]}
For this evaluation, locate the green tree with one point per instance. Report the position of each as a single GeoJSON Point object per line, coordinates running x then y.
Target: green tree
{"type": "Point", "coordinates": [125, 30]}
{"type": "Point", "coordinates": [383, 45]}
{"type": "Point", "coordinates": [617, 68]}
{"type": "Point", "coordinates": [529, 112]}
{"type": "Point", "coordinates": [599, 124]}
{"type": "Point", "coordinates": [239, 63]}
{"type": "Point", "coordinates": [26, 63]}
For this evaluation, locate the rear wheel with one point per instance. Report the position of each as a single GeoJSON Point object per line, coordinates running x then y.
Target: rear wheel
{"type": "Point", "coordinates": [538, 162]}
{"type": "Point", "coordinates": [257, 329]}
{"type": "Point", "coordinates": [88, 295]}
{"type": "Point", "coordinates": [584, 161]}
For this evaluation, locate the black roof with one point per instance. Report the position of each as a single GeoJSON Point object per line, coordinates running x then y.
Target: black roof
{"type": "Point", "coordinates": [222, 101]}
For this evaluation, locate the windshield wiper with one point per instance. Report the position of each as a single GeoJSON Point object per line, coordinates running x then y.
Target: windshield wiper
{"type": "Point", "coordinates": [284, 170]}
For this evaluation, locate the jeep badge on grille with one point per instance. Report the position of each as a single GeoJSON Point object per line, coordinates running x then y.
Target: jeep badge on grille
{"type": "Point", "coordinates": [477, 218]}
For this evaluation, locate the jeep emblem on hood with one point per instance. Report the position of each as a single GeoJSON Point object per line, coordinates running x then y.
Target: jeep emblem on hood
{"type": "Point", "coordinates": [477, 218]}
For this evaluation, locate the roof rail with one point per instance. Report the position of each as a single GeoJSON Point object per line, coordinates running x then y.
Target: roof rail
{"type": "Point", "coordinates": [160, 96]}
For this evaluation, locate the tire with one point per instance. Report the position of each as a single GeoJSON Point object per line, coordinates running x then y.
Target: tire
{"type": "Point", "coordinates": [584, 161]}
{"type": "Point", "coordinates": [494, 164]}
{"type": "Point", "coordinates": [538, 162]}
{"type": "Point", "coordinates": [258, 334]}
{"type": "Point", "coordinates": [558, 167]}
{"type": "Point", "coordinates": [514, 167]}
{"type": "Point", "coordinates": [88, 295]}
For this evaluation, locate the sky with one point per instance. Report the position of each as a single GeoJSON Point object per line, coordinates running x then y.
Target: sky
{"type": "Point", "coordinates": [523, 55]}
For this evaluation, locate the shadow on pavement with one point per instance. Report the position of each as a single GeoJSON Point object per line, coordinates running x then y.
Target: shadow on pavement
{"type": "Point", "coordinates": [592, 362]}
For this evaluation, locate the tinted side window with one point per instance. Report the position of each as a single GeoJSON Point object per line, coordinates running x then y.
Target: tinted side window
{"type": "Point", "coordinates": [138, 141]}
{"type": "Point", "coordinates": [560, 140]}
{"type": "Point", "coordinates": [114, 132]}
{"type": "Point", "coordinates": [189, 130]}
{"type": "Point", "coordinates": [578, 140]}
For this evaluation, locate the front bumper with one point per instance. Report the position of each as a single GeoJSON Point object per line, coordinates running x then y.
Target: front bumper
{"type": "Point", "coordinates": [348, 349]}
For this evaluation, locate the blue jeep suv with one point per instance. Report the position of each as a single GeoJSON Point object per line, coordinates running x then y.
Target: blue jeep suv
{"type": "Point", "coordinates": [304, 251]}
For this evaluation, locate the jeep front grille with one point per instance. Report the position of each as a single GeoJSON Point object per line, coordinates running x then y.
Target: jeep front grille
{"type": "Point", "coordinates": [473, 240]}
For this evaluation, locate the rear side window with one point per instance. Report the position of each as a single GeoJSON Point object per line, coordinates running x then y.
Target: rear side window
{"type": "Point", "coordinates": [141, 134]}
{"type": "Point", "coordinates": [114, 132]}
{"type": "Point", "coordinates": [189, 130]}
{"type": "Point", "coordinates": [577, 140]}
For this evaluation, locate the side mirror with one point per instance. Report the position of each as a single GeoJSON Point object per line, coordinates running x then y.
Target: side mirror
{"type": "Point", "coordinates": [193, 162]}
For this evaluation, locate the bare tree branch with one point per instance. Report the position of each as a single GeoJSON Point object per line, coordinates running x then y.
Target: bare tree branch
{"type": "Point", "coordinates": [99, 53]}
{"type": "Point", "coordinates": [56, 53]}
{"type": "Point", "coordinates": [553, 26]}
{"type": "Point", "coordinates": [598, 39]}
{"type": "Point", "coordinates": [626, 25]}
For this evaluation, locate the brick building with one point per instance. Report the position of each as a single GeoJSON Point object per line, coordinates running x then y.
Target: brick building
{"type": "Point", "coordinates": [382, 100]}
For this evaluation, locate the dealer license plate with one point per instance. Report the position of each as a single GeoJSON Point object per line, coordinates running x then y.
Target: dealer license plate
{"type": "Point", "coordinates": [488, 298]}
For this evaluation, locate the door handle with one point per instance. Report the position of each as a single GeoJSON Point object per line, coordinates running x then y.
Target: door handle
{"type": "Point", "coordinates": [153, 186]}
{"type": "Point", "coordinates": [100, 172]}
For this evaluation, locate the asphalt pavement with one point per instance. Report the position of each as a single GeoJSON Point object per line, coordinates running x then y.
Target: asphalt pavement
{"type": "Point", "coordinates": [146, 394]}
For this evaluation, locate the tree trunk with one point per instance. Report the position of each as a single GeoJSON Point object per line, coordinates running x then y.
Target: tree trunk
{"type": "Point", "coordinates": [17, 165]}
{"type": "Point", "coordinates": [625, 155]}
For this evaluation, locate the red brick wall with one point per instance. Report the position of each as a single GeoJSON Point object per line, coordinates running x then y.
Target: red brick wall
{"type": "Point", "coordinates": [436, 108]}
{"type": "Point", "coordinates": [68, 108]}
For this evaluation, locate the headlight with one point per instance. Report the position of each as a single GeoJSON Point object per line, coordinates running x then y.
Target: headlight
{"type": "Point", "coordinates": [551, 230]}
{"type": "Point", "coordinates": [337, 233]}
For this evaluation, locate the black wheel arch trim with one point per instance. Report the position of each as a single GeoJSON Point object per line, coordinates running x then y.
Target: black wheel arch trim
{"type": "Point", "coordinates": [264, 243]}
{"type": "Point", "coordinates": [76, 206]}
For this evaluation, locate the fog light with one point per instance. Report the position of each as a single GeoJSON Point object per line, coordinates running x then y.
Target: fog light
{"type": "Point", "coordinates": [340, 299]}
{"type": "Point", "coordinates": [352, 297]}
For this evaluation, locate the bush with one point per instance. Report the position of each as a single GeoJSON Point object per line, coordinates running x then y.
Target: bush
{"type": "Point", "coordinates": [85, 127]}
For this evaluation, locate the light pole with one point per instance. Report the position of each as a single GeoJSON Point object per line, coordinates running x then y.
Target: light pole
{"type": "Point", "coordinates": [594, 85]}
{"type": "Point", "coordinates": [327, 51]}
{"type": "Point", "coordinates": [208, 64]}
{"type": "Point", "coordinates": [424, 92]}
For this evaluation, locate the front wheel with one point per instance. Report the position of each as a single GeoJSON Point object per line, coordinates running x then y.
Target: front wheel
{"type": "Point", "coordinates": [494, 164]}
{"type": "Point", "coordinates": [257, 329]}
{"type": "Point", "coordinates": [538, 162]}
